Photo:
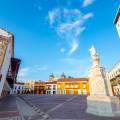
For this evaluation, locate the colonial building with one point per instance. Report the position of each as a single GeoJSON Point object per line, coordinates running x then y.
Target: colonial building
{"type": "Point", "coordinates": [51, 87]}
{"type": "Point", "coordinates": [35, 87]}
{"type": "Point", "coordinates": [29, 84]}
{"type": "Point", "coordinates": [114, 77]}
{"type": "Point", "coordinates": [117, 21]}
{"type": "Point", "coordinates": [19, 88]}
{"type": "Point", "coordinates": [73, 86]}
{"type": "Point", "coordinates": [39, 87]}
{"type": "Point", "coordinates": [8, 64]}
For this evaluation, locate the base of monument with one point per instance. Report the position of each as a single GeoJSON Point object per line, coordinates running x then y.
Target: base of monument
{"type": "Point", "coordinates": [103, 106]}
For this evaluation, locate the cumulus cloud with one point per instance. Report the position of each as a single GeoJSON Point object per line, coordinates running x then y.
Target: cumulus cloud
{"type": "Point", "coordinates": [87, 2]}
{"type": "Point", "coordinates": [69, 24]}
{"type": "Point", "coordinates": [25, 73]}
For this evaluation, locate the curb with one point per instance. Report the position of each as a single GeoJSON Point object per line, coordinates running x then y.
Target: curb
{"type": "Point", "coordinates": [36, 109]}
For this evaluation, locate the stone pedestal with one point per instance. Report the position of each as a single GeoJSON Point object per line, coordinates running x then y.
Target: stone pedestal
{"type": "Point", "coordinates": [103, 106]}
{"type": "Point", "coordinates": [100, 102]}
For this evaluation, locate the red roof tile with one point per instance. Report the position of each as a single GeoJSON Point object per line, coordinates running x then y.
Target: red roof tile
{"type": "Point", "coordinates": [72, 79]}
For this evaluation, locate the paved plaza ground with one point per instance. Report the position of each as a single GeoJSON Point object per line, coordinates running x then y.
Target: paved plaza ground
{"type": "Point", "coordinates": [51, 107]}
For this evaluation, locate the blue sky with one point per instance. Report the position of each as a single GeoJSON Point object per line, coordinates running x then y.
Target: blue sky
{"type": "Point", "coordinates": [56, 35]}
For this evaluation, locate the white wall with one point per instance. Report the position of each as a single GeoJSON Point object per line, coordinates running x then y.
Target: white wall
{"type": "Point", "coordinates": [51, 91]}
{"type": "Point", "coordinates": [5, 67]}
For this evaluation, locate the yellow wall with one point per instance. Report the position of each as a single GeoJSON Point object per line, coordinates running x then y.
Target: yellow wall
{"type": "Point", "coordinates": [73, 86]}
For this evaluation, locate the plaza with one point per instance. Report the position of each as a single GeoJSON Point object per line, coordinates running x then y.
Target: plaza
{"type": "Point", "coordinates": [42, 107]}
{"type": "Point", "coordinates": [64, 75]}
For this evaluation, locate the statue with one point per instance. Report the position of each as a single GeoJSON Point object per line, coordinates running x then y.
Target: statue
{"type": "Point", "coordinates": [94, 56]}
{"type": "Point", "coordinates": [93, 51]}
{"type": "Point", "coordinates": [100, 102]}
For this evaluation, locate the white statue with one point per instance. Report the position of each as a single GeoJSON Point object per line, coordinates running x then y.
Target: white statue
{"type": "Point", "coordinates": [94, 56]}
{"type": "Point", "coordinates": [93, 51]}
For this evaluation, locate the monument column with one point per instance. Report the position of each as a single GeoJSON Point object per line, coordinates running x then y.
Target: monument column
{"type": "Point", "coordinates": [100, 102]}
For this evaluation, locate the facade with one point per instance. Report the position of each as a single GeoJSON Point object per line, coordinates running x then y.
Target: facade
{"type": "Point", "coordinates": [51, 87]}
{"type": "Point", "coordinates": [29, 86]}
{"type": "Point", "coordinates": [117, 21]}
{"type": "Point", "coordinates": [35, 87]}
{"type": "Point", "coordinates": [114, 77]}
{"type": "Point", "coordinates": [39, 87]}
{"type": "Point", "coordinates": [73, 86]}
{"type": "Point", "coordinates": [19, 88]}
{"type": "Point", "coordinates": [8, 64]}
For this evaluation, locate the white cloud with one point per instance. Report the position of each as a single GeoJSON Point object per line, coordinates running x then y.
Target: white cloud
{"type": "Point", "coordinates": [69, 24]}
{"type": "Point", "coordinates": [23, 72]}
{"type": "Point", "coordinates": [62, 50]}
{"type": "Point", "coordinates": [41, 68]}
{"type": "Point", "coordinates": [52, 15]}
{"type": "Point", "coordinates": [87, 2]}
{"type": "Point", "coordinates": [87, 16]}
{"type": "Point", "coordinates": [74, 46]}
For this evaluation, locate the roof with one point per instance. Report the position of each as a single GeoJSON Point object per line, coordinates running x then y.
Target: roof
{"type": "Point", "coordinates": [19, 83]}
{"type": "Point", "coordinates": [39, 82]}
{"type": "Point", "coordinates": [117, 15]}
{"type": "Point", "coordinates": [51, 82]}
{"type": "Point", "coordinates": [72, 79]}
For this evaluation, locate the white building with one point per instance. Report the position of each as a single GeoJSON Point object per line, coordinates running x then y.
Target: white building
{"type": "Point", "coordinates": [51, 87]}
{"type": "Point", "coordinates": [19, 88]}
{"type": "Point", "coordinates": [8, 64]}
{"type": "Point", "coordinates": [114, 77]}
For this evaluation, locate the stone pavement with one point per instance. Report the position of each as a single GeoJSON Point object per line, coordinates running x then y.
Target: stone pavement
{"type": "Point", "coordinates": [8, 109]}
{"type": "Point", "coordinates": [62, 107]}
{"type": "Point", "coordinates": [46, 107]}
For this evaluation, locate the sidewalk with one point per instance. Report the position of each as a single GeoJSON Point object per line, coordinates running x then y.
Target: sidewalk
{"type": "Point", "coordinates": [8, 108]}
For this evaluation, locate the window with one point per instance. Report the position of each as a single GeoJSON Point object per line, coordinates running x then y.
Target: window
{"type": "Point", "coordinates": [54, 87]}
{"type": "Point", "coordinates": [64, 92]}
{"type": "Point", "coordinates": [71, 91]}
{"type": "Point", "coordinates": [58, 86]}
{"type": "Point", "coordinates": [76, 86]}
{"type": "Point", "coordinates": [84, 85]}
{"type": "Point", "coordinates": [67, 86]}
{"type": "Point", "coordinates": [84, 92]}
{"type": "Point", "coordinates": [71, 86]}
{"type": "Point", "coordinates": [79, 92]}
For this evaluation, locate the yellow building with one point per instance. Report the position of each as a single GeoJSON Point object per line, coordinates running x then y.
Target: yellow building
{"type": "Point", "coordinates": [73, 86]}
